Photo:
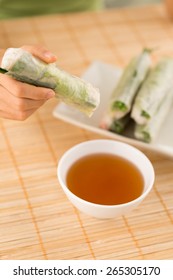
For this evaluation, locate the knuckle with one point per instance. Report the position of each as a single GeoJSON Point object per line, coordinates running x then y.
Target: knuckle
{"type": "Point", "coordinates": [33, 49]}
{"type": "Point", "coordinates": [29, 46]}
{"type": "Point", "coordinates": [19, 90]}
{"type": "Point", "coordinates": [20, 105]}
{"type": "Point", "coordinates": [24, 46]}
{"type": "Point", "coordinates": [22, 115]}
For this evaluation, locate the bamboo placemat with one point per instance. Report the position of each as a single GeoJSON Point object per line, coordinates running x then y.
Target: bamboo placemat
{"type": "Point", "coordinates": [36, 219]}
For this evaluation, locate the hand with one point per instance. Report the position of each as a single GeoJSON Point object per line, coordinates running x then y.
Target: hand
{"type": "Point", "coordinates": [169, 8]}
{"type": "Point", "coordinates": [20, 100]}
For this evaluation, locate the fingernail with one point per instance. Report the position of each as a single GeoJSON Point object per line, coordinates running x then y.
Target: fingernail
{"type": "Point", "coordinates": [50, 94]}
{"type": "Point", "coordinates": [49, 55]}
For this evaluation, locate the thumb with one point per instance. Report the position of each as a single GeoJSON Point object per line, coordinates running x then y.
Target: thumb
{"type": "Point", "coordinates": [40, 52]}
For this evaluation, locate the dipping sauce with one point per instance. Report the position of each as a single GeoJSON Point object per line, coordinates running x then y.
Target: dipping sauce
{"type": "Point", "coordinates": [105, 179]}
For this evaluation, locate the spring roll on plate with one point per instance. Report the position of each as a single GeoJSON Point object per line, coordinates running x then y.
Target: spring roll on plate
{"type": "Point", "coordinates": [115, 125]}
{"type": "Point", "coordinates": [128, 85]}
{"type": "Point", "coordinates": [23, 66]}
{"type": "Point", "coordinates": [119, 125]}
{"type": "Point", "coordinates": [149, 131]}
{"type": "Point", "coordinates": [153, 91]}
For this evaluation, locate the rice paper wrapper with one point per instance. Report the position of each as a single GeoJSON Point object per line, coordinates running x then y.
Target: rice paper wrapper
{"type": "Point", "coordinates": [76, 92]}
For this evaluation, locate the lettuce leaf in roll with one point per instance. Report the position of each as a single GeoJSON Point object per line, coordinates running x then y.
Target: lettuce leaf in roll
{"type": "Point", "coordinates": [149, 131]}
{"type": "Point", "coordinates": [119, 125]}
{"type": "Point", "coordinates": [115, 125]}
{"type": "Point", "coordinates": [131, 79]}
{"type": "Point", "coordinates": [152, 91]}
{"type": "Point", "coordinates": [23, 66]}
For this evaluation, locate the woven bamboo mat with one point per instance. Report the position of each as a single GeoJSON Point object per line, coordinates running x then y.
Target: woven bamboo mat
{"type": "Point", "coordinates": [36, 219]}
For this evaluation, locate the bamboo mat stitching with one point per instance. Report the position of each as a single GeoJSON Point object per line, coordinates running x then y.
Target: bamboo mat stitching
{"type": "Point", "coordinates": [38, 35]}
{"type": "Point", "coordinates": [24, 191]}
{"type": "Point", "coordinates": [112, 47]}
{"type": "Point", "coordinates": [143, 42]}
{"type": "Point", "coordinates": [55, 160]}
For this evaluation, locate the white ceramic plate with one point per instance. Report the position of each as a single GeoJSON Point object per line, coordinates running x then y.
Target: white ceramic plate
{"type": "Point", "coordinates": [104, 77]}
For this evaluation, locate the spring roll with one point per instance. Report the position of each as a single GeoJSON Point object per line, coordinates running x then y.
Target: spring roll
{"type": "Point", "coordinates": [119, 125]}
{"type": "Point", "coordinates": [153, 91]}
{"type": "Point", "coordinates": [128, 85]}
{"type": "Point", "coordinates": [21, 65]}
{"type": "Point", "coordinates": [149, 131]}
{"type": "Point", "coordinates": [115, 125]}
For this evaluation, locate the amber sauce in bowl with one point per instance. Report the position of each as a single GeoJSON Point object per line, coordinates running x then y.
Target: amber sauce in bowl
{"type": "Point", "coordinates": [105, 179]}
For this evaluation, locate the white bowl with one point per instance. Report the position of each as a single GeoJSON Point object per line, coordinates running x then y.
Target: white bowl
{"type": "Point", "coordinates": [113, 147]}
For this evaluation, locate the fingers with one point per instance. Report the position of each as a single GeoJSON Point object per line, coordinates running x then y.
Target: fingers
{"type": "Point", "coordinates": [19, 100]}
{"type": "Point", "coordinates": [13, 107]}
{"type": "Point", "coordinates": [19, 104]}
{"type": "Point", "coordinates": [38, 51]}
{"type": "Point", "coordinates": [19, 111]}
{"type": "Point", "coordinates": [41, 52]}
{"type": "Point", "coordinates": [16, 115]}
{"type": "Point", "coordinates": [22, 90]}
